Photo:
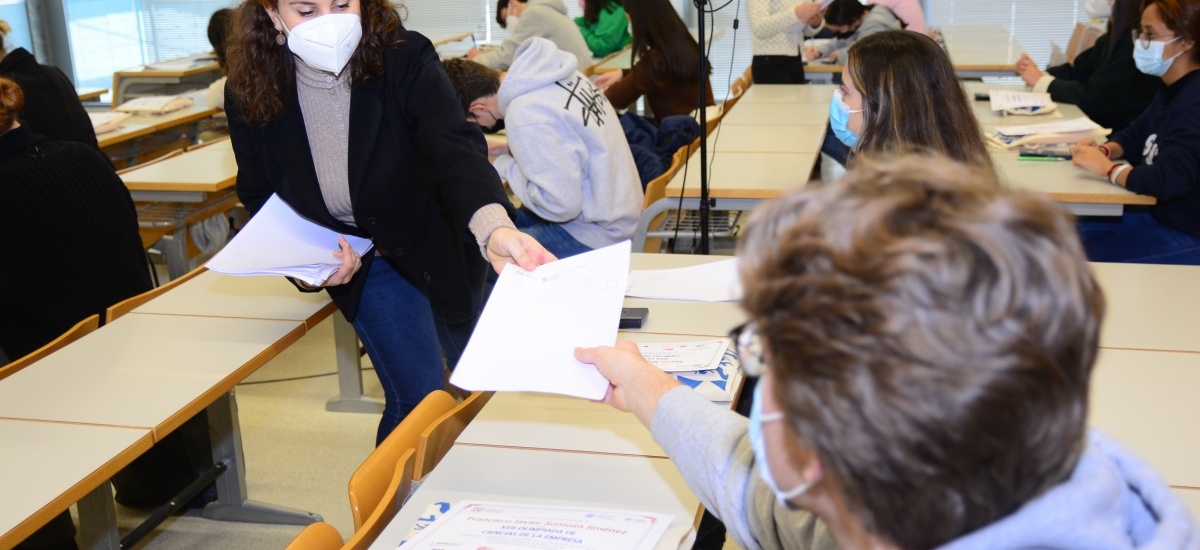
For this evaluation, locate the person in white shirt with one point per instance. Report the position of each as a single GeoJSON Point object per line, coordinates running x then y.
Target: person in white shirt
{"type": "Point", "coordinates": [908, 11]}
{"type": "Point", "coordinates": [777, 30]}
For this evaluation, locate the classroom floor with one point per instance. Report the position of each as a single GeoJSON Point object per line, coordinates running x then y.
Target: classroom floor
{"type": "Point", "coordinates": [297, 454]}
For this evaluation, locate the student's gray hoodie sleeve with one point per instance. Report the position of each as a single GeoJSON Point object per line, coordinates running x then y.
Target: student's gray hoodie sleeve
{"type": "Point", "coordinates": [710, 447]}
{"type": "Point", "coordinates": [549, 179]}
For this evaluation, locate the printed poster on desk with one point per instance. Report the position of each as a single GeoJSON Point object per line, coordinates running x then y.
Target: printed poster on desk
{"type": "Point", "coordinates": [471, 525]}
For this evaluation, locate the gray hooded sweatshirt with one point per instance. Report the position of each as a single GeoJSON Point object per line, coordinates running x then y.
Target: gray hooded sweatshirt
{"type": "Point", "coordinates": [547, 19]}
{"type": "Point", "coordinates": [569, 162]}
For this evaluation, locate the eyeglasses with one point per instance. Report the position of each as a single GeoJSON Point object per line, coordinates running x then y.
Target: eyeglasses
{"type": "Point", "coordinates": [1144, 39]}
{"type": "Point", "coordinates": [749, 348]}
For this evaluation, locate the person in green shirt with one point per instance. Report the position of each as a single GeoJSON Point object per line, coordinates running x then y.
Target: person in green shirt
{"type": "Point", "coordinates": [604, 26]}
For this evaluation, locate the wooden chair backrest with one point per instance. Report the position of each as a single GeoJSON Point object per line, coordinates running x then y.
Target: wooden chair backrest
{"type": "Point", "coordinates": [370, 481]}
{"type": "Point", "coordinates": [396, 490]}
{"type": "Point", "coordinates": [748, 76]}
{"type": "Point", "coordinates": [72, 334]}
{"type": "Point", "coordinates": [317, 536]}
{"type": "Point", "coordinates": [657, 187]}
{"type": "Point", "coordinates": [172, 153]}
{"type": "Point", "coordinates": [118, 309]}
{"type": "Point", "coordinates": [440, 435]}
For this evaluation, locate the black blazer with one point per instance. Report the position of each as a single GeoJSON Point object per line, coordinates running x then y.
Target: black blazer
{"type": "Point", "coordinates": [418, 172]}
{"type": "Point", "coordinates": [52, 106]}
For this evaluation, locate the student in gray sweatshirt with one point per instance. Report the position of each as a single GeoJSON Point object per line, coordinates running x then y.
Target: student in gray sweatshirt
{"type": "Point", "coordinates": [567, 158]}
{"type": "Point", "coordinates": [925, 340]}
{"type": "Point", "coordinates": [545, 18]}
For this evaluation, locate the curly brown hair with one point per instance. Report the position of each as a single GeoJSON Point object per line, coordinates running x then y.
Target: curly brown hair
{"type": "Point", "coordinates": [262, 73]}
{"type": "Point", "coordinates": [12, 100]}
{"type": "Point", "coordinates": [930, 336]}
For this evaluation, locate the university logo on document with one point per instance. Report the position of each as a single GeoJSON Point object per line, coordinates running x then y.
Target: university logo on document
{"type": "Point", "coordinates": [587, 98]}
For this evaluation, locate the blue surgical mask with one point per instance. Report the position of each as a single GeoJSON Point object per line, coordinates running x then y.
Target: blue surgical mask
{"type": "Point", "coordinates": [755, 433]}
{"type": "Point", "coordinates": [839, 119]}
{"type": "Point", "coordinates": [1149, 58]}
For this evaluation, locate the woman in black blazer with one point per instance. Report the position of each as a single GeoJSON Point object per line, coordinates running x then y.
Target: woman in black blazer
{"type": "Point", "coordinates": [367, 137]}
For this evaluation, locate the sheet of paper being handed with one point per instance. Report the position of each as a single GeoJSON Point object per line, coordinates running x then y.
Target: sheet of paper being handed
{"type": "Point", "coordinates": [533, 321]}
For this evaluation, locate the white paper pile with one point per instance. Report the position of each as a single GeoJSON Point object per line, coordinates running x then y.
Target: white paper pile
{"type": "Point", "coordinates": [277, 241]}
{"type": "Point", "coordinates": [709, 282]}
{"type": "Point", "coordinates": [155, 104]}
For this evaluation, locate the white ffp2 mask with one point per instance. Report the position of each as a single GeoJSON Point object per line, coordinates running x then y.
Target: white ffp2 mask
{"type": "Point", "coordinates": [326, 42]}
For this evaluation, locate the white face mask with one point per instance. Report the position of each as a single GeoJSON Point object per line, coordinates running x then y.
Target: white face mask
{"type": "Point", "coordinates": [1098, 9]}
{"type": "Point", "coordinates": [510, 22]}
{"type": "Point", "coordinates": [326, 42]}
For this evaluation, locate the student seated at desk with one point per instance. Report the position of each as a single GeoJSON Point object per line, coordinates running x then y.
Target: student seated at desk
{"type": "Point", "coordinates": [545, 18]}
{"type": "Point", "coordinates": [666, 64]}
{"type": "Point", "coordinates": [925, 341]}
{"type": "Point", "coordinates": [899, 93]}
{"type": "Point", "coordinates": [1102, 80]}
{"type": "Point", "coordinates": [52, 106]}
{"type": "Point", "coordinates": [1162, 146]}
{"type": "Point", "coordinates": [567, 159]}
{"type": "Point", "coordinates": [71, 250]}
{"type": "Point", "coordinates": [604, 26]}
{"type": "Point", "coordinates": [850, 21]}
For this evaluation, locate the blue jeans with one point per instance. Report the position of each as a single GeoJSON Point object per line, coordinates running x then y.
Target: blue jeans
{"type": "Point", "coordinates": [551, 235]}
{"type": "Point", "coordinates": [396, 325]}
{"type": "Point", "coordinates": [1137, 238]}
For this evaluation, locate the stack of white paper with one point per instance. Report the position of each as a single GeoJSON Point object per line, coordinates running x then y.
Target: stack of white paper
{"type": "Point", "coordinates": [1002, 100]}
{"type": "Point", "coordinates": [710, 282]}
{"type": "Point", "coordinates": [1065, 131]}
{"type": "Point", "coordinates": [277, 241]}
{"type": "Point", "coordinates": [526, 337]}
{"type": "Point", "coordinates": [705, 366]}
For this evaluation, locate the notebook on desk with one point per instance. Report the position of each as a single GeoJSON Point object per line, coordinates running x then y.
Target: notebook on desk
{"type": "Point", "coordinates": [103, 123]}
{"type": "Point", "coordinates": [155, 105]}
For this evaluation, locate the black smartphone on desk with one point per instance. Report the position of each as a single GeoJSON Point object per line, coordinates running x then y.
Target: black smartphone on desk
{"type": "Point", "coordinates": [983, 96]}
{"type": "Point", "coordinates": [633, 317]}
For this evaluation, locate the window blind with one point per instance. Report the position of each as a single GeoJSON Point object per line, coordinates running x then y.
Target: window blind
{"type": "Point", "coordinates": [1034, 23]}
{"type": "Point", "coordinates": [105, 37]}
{"type": "Point", "coordinates": [175, 28]}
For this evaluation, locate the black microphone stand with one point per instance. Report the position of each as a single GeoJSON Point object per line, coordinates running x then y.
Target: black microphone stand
{"type": "Point", "coordinates": [703, 96]}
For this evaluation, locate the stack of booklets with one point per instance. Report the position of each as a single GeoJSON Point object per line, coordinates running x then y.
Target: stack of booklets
{"type": "Point", "coordinates": [155, 104]}
{"type": "Point", "coordinates": [706, 366]}
{"type": "Point", "coordinates": [1066, 131]}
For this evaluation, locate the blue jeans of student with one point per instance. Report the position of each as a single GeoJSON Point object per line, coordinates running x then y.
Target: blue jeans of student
{"type": "Point", "coordinates": [1137, 238]}
{"type": "Point", "coordinates": [550, 234]}
{"type": "Point", "coordinates": [398, 329]}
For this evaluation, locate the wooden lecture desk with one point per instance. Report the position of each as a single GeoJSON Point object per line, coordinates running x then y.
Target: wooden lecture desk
{"type": "Point", "coordinates": [554, 478]}
{"type": "Point", "coordinates": [90, 94]}
{"type": "Point", "coordinates": [146, 372]}
{"type": "Point", "coordinates": [748, 164]}
{"type": "Point", "coordinates": [791, 138]}
{"type": "Point", "coordinates": [48, 466]}
{"type": "Point", "coordinates": [975, 51]}
{"type": "Point", "coordinates": [189, 177]}
{"type": "Point", "coordinates": [1084, 193]}
{"type": "Point", "coordinates": [1150, 307]}
{"type": "Point", "coordinates": [122, 142]}
{"type": "Point", "coordinates": [212, 294]}
{"type": "Point", "coordinates": [771, 114]}
{"type": "Point", "coordinates": [787, 94]}
{"type": "Point", "coordinates": [197, 70]}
